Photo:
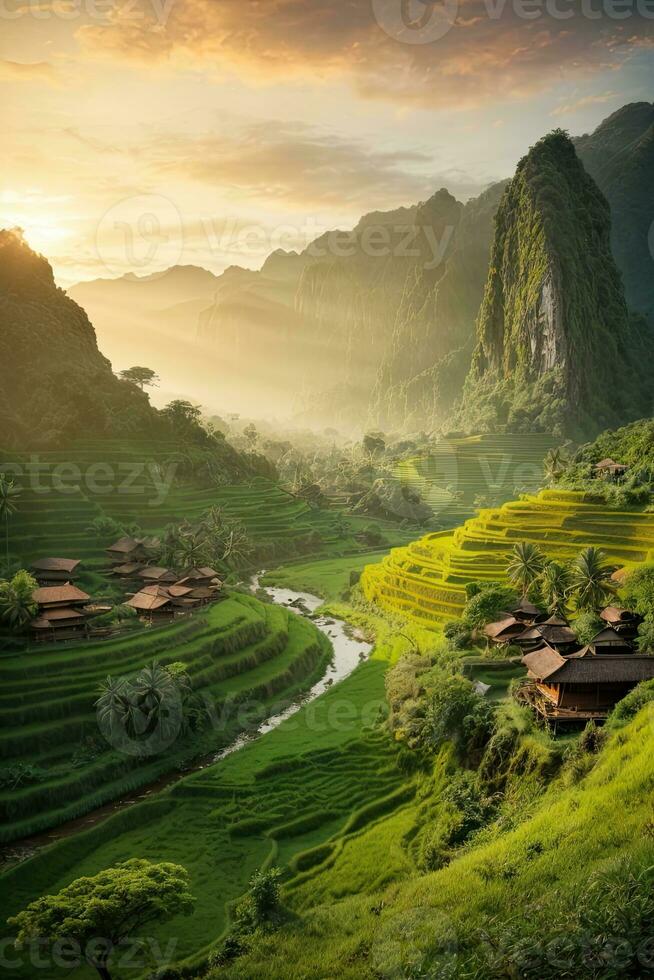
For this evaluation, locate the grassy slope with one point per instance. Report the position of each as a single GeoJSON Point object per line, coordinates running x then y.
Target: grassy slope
{"type": "Point", "coordinates": [494, 467]}
{"type": "Point", "coordinates": [536, 868]}
{"type": "Point", "coordinates": [427, 579]}
{"type": "Point", "coordinates": [58, 504]}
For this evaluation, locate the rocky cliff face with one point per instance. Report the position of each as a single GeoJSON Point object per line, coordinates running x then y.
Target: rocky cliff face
{"type": "Point", "coordinates": [556, 348]}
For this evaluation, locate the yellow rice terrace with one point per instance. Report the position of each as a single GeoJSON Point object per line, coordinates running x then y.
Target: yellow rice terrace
{"type": "Point", "coordinates": [426, 580]}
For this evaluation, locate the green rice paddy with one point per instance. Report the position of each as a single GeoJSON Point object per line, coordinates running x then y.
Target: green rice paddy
{"type": "Point", "coordinates": [153, 486]}
{"type": "Point", "coordinates": [298, 797]}
{"type": "Point", "coordinates": [235, 651]}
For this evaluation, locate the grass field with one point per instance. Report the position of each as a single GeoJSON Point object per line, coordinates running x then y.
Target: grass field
{"type": "Point", "coordinates": [238, 650]}
{"type": "Point", "coordinates": [328, 578]}
{"type": "Point", "coordinates": [426, 580]}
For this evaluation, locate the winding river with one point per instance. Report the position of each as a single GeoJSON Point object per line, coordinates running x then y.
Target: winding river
{"type": "Point", "coordinates": [348, 651]}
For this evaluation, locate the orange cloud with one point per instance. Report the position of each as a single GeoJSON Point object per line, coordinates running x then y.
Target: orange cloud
{"type": "Point", "coordinates": [488, 46]}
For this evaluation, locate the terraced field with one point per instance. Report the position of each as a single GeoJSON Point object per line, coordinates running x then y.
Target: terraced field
{"type": "Point", "coordinates": [298, 797]}
{"type": "Point", "coordinates": [149, 486]}
{"type": "Point", "coordinates": [238, 650]}
{"type": "Point", "coordinates": [426, 580]}
{"type": "Point", "coordinates": [460, 471]}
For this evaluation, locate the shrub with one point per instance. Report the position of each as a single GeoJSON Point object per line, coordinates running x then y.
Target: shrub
{"type": "Point", "coordinates": [459, 633]}
{"type": "Point", "coordinates": [471, 810]}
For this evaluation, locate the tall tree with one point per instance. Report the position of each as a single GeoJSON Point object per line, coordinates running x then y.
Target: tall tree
{"type": "Point", "coordinates": [103, 912]}
{"type": "Point", "coordinates": [9, 494]}
{"type": "Point", "coordinates": [591, 583]}
{"type": "Point", "coordinates": [555, 583]}
{"type": "Point", "coordinates": [526, 562]}
{"type": "Point", "coordinates": [143, 377]}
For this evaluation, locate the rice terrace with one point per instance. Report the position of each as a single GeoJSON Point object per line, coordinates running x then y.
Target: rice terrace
{"type": "Point", "coordinates": [326, 492]}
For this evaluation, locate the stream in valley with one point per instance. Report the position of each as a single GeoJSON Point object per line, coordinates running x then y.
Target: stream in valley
{"type": "Point", "coordinates": [349, 650]}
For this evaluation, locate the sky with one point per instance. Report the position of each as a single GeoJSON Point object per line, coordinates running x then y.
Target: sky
{"type": "Point", "coordinates": [137, 134]}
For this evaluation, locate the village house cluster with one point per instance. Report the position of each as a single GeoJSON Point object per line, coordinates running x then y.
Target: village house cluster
{"type": "Point", "coordinates": [567, 681]}
{"type": "Point", "coordinates": [66, 611]}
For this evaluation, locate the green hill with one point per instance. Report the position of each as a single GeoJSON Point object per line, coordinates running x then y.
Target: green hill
{"type": "Point", "coordinates": [54, 382]}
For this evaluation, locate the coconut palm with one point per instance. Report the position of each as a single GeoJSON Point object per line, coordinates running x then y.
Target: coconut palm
{"type": "Point", "coordinates": [9, 494]}
{"type": "Point", "coordinates": [157, 696]}
{"type": "Point", "coordinates": [17, 604]}
{"type": "Point", "coordinates": [555, 583]}
{"type": "Point", "coordinates": [555, 464]}
{"type": "Point", "coordinates": [591, 583]}
{"type": "Point", "coordinates": [525, 565]}
{"type": "Point", "coordinates": [113, 706]}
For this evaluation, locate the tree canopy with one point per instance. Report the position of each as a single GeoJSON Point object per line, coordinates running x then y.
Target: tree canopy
{"type": "Point", "coordinates": [144, 377]}
{"type": "Point", "coordinates": [105, 911]}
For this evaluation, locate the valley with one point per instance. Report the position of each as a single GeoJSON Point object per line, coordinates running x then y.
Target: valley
{"type": "Point", "coordinates": [327, 587]}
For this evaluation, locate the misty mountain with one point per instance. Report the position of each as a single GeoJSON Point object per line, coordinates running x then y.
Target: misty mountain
{"type": "Point", "coordinates": [373, 326]}
{"type": "Point", "coordinates": [619, 155]}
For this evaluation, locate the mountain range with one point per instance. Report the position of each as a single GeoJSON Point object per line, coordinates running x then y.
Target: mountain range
{"type": "Point", "coordinates": [375, 326]}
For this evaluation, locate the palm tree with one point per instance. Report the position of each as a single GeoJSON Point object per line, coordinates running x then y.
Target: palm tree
{"type": "Point", "coordinates": [113, 706]}
{"type": "Point", "coordinates": [17, 605]}
{"type": "Point", "coordinates": [9, 493]}
{"type": "Point", "coordinates": [525, 566]}
{"type": "Point", "coordinates": [591, 582]}
{"type": "Point", "coordinates": [555, 583]}
{"type": "Point", "coordinates": [555, 464]}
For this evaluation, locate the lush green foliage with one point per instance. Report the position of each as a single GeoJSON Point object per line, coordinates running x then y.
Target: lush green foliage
{"type": "Point", "coordinates": [632, 446]}
{"type": "Point", "coordinates": [488, 602]}
{"type": "Point", "coordinates": [17, 605]}
{"type": "Point", "coordinates": [525, 566]}
{"type": "Point", "coordinates": [101, 913]}
{"type": "Point", "coordinates": [591, 582]}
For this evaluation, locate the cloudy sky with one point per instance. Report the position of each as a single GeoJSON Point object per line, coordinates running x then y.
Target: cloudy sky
{"type": "Point", "coordinates": [140, 133]}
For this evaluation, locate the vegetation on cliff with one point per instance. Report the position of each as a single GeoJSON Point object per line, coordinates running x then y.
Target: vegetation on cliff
{"type": "Point", "coordinates": [557, 350]}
